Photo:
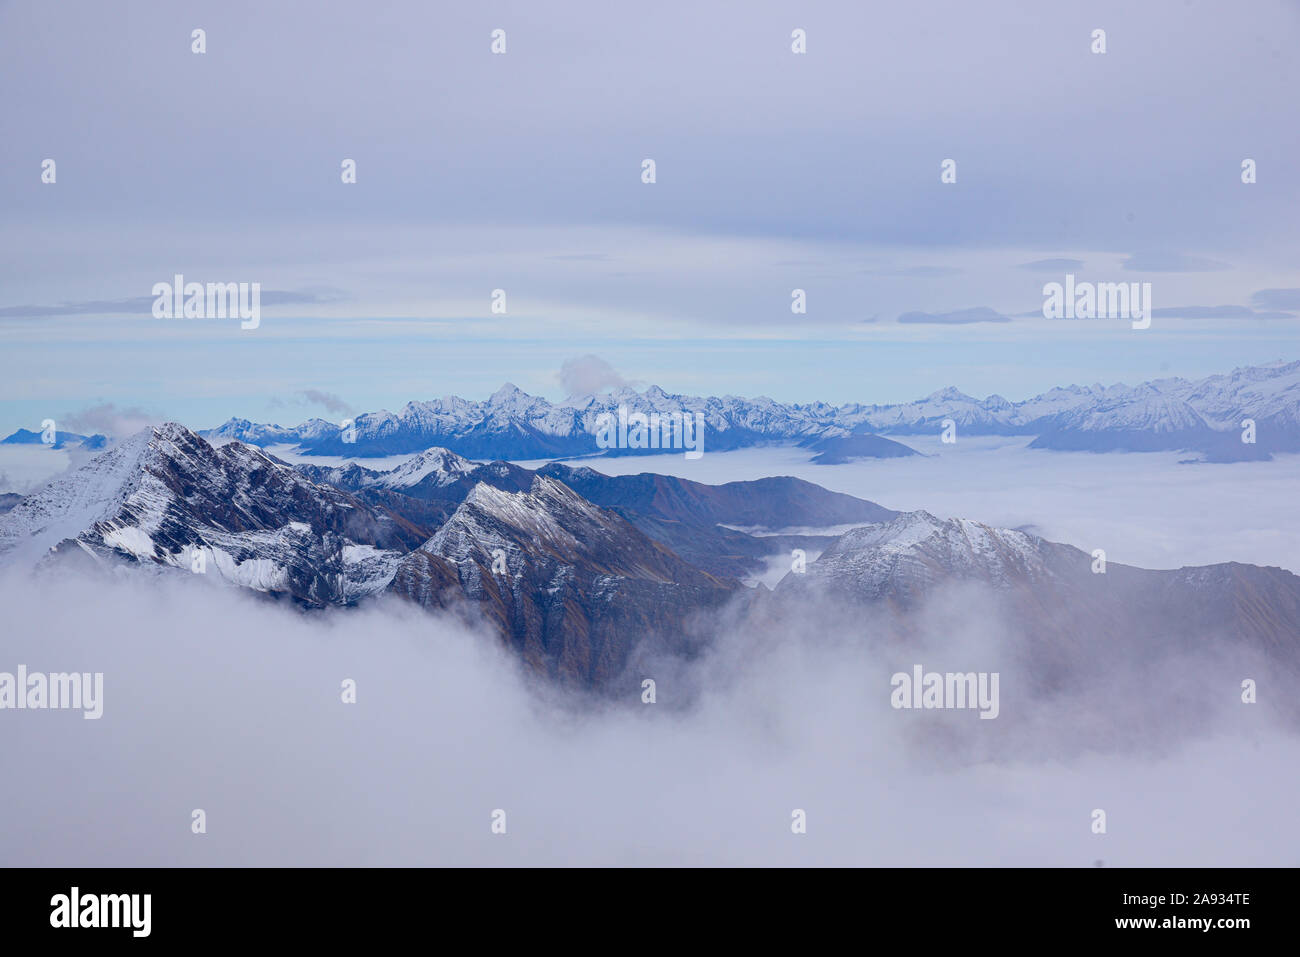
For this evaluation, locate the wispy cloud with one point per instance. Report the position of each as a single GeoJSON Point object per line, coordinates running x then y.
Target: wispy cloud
{"type": "Point", "coordinates": [1276, 299]}
{"type": "Point", "coordinates": [1052, 265]}
{"type": "Point", "coordinates": [913, 272]}
{"type": "Point", "coordinates": [144, 305]}
{"type": "Point", "coordinates": [112, 307]}
{"type": "Point", "coordinates": [959, 317]}
{"type": "Point", "coordinates": [327, 400]}
{"type": "Point", "coordinates": [1171, 262]}
{"type": "Point", "coordinates": [108, 418]}
{"type": "Point", "coordinates": [1218, 312]}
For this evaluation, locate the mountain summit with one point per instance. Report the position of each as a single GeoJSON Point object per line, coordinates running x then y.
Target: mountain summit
{"type": "Point", "coordinates": [167, 499]}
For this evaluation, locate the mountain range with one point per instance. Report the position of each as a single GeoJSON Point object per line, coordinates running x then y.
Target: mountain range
{"type": "Point", "coordinates": [582, 574]}
{"type": "Point", "coordinates": [1202, 416]}
{"type": "Point", "coordinates": [726, 529]}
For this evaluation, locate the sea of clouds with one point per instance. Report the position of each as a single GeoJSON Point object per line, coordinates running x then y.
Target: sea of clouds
{"type": "Point", "coordinates": [220, 700]}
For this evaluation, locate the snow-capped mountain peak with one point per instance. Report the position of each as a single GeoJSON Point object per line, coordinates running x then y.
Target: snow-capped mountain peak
{"type": "Point", "coordinates": [549, 515]}
{"type": "Point", "coordinates": [440, 465]}
{"type": "Point", "coordinates": [916, 549]}
{"type": "Point", "coordinates": [165, 496]}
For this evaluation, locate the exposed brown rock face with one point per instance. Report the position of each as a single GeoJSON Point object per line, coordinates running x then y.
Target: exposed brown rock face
{"type": "Point", "coordinates": [576, 588]}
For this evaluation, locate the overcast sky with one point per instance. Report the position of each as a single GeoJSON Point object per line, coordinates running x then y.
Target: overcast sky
{"type": "Point", "coordinates": [522, 172]}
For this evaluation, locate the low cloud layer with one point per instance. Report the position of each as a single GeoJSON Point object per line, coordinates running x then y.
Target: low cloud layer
{"type": "Point", "coordinates": [217, 700]}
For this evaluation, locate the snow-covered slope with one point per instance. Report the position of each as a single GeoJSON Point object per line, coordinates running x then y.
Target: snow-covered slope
{"type": "Point", "coordinates": [69, 504]}
{"type": "Point", "coordinates": [167, 498]}
{"type": "Point", "coordinates": [553, 521]}
{"type": "Point", "coordinates": [433, 466]}
{"type": "Point", "coordinates": [1269, 394]}
{"type": "Point", "coordinates": [915, 550]}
